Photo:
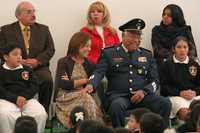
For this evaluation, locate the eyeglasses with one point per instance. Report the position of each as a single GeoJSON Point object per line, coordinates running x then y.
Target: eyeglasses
{"type": "Point", "coordinates": [29, 11]}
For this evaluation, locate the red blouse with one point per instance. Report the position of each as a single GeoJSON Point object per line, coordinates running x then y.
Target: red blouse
{"type": "Point", "coordinates": [110, 39]}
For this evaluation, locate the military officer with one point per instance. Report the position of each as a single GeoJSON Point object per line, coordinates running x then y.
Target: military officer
{"type": "Point", "coordinates": [132, 76]}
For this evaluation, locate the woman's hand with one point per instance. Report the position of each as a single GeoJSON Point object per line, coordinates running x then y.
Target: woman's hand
{"type": "Point", "coordinates": [65, 77]}
{"type": "Point", "coordinates": [80, 82]}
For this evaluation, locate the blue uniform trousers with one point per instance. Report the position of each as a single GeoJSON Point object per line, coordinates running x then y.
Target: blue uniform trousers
{"type": "Point", "coordinates": [119, 106]}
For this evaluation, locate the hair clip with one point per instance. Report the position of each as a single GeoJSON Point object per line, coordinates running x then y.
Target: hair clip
{"type": "Point", "coordinates": [79, 116]}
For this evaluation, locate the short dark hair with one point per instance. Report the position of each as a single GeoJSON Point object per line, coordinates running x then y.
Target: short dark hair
{"type": "Point", "coordinates": [74, 118]}
{"type": "Point", "coordinates": [179, 38]}
{"type": "Point", "coordinates": [194, 116]}
{"type": "Point", "coordinates": [152, 123]}
{"type": "Point", "coordinates": [25, 124]}
{"type": "Point", "coordinates": [176, 14]}
{"type": "Point", "coordinates": [138, 113]}
{"type": "Point", "coordinates": [91, 126]}
{"type": "Point", "coordinates": [76, 41]}
{"type": "Point", "coordinates": [9, 47]}
{"type": "Point", "coordinates": [194, 103]}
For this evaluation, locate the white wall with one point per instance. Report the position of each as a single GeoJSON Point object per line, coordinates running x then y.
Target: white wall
{"type": "Point", "coordinates": [64, 17]}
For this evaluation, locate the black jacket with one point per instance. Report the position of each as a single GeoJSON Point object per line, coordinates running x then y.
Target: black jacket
{"type": "Point", "coordinates": [65, 65]}
{"type": "Point", "coordinates": [163, 38]}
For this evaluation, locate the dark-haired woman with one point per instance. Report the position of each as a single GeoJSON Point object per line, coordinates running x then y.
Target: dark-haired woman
{"type": "Point", "coordinates": [172, 25]}
{"type": "Point", "coordinates": [73, 72]}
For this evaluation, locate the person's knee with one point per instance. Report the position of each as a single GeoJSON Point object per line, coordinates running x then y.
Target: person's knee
{"type": "Point", "coordinates": [166, 104]}
{"type": "Point", "coordinates": [42, 116]}
{"type": "Point", "coordinates": [117, 106]}
{"type": "Point", "coordinates": [41, 113]}
{"type": "Point", "coordinates": [4, 113]}
{"type": "Point", "coordinates": [89, 100]}
{"type": "Point", "coordinates": [87, 97]}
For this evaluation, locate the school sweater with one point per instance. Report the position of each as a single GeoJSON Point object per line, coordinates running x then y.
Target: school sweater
{"type": "Point", "coordinates": [176, 77]}
{"type": "Point", "coordinates": [17, 82]}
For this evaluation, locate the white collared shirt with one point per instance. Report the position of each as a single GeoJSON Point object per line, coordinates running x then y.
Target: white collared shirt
{"type": "Point", "coordinates": [100, 31]}
{"type": "Point", "coordinates": [186, 61]}
{"type": "Point", "coordinates": [5, 66]}
{"type": "Point", "coordinates": [125, 49]}
{"type": "Point", "coordinates": [23, 26]}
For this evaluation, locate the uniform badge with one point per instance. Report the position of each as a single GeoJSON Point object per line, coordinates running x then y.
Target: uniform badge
{"type": "Point", "coordinates": [140, 71]}
{"type": "Point", "coordinates": [25, 75]}
{"type": "Point", "coordinates": [142, 59]}
{"type": "Point", "coordinates": [193, 70]}
{"type": "Point", "coordinates": [117, 59]}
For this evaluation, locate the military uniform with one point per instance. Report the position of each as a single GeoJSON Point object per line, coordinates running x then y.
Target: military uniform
{"type": "Point", "coordinates": [127, 72]}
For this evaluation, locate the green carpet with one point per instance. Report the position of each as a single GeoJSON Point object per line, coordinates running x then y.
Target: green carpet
{"type": "Point", "coordinates": [57, 127]}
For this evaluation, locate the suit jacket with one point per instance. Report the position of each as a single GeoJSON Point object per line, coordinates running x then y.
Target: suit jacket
{"type": "Point", "coordinates": [41, 42]}
{"type": "Point", "coordinates": [125, 74]}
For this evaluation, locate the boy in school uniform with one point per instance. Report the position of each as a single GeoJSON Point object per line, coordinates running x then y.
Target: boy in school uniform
{"type": "Point", "coordinates": [18, 85]}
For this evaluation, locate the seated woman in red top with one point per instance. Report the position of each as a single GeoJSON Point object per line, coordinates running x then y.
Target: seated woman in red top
{"type": "Point", "coordinates": [98, 27]}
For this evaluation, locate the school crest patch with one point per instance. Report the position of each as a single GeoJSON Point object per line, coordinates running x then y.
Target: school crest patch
{"type": "Point", "coordinates": [193, 70]}
{"type": "Point", "coordinates": [25, 75]}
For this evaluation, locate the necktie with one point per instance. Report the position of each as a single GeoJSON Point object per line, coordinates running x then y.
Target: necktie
{"type": "Point", "coordinates": [26, 35]}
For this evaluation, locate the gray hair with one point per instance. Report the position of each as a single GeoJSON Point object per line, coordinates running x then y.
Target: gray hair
{"type": "Point", "coordinates": [19, 8]}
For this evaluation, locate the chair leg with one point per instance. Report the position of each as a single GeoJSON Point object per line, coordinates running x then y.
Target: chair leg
{"type": "Point", "coordinates": [52, 125]}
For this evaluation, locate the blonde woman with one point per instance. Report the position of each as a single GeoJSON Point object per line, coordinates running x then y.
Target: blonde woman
{"type": "Point", "coordinates": [98, 27]}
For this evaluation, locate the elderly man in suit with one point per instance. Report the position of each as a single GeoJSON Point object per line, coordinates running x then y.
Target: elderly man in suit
{"type": "Point", "coordinates": [132, 76]}
{"type": "Point", "coordinates": [37, 45]}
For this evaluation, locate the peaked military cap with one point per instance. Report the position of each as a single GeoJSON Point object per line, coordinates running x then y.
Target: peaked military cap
{"type": "Point", "coordinates": [133, 25]}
